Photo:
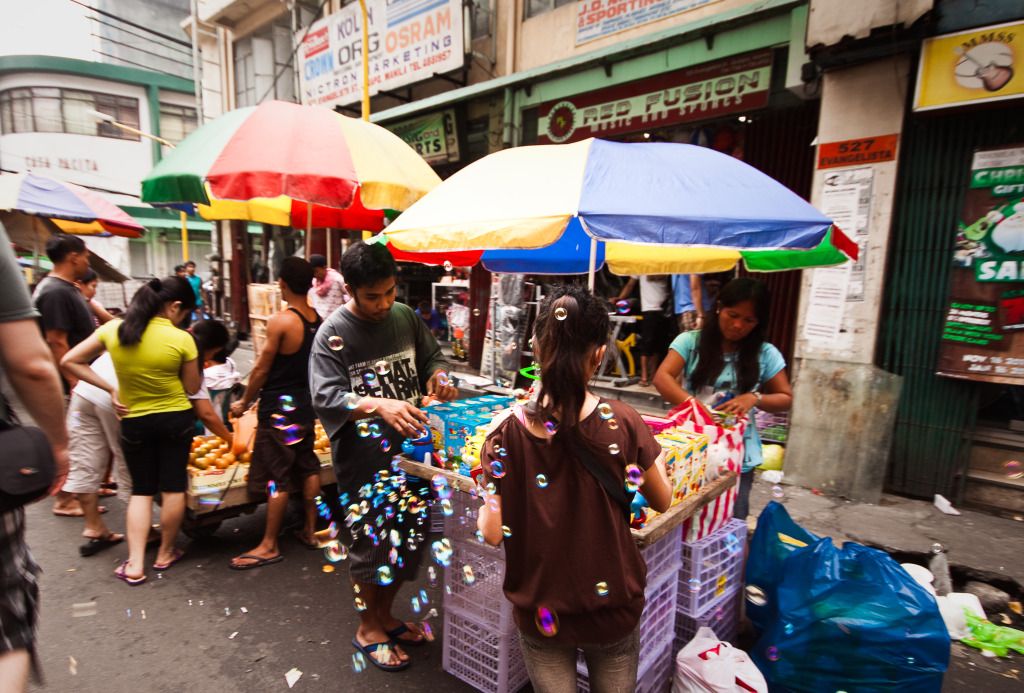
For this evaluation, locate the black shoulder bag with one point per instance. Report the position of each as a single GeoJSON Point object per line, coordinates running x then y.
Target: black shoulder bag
{"type": "Point", "coordinates": [28, 468]}
{"type": "Point", "coordinates": [615, 488]}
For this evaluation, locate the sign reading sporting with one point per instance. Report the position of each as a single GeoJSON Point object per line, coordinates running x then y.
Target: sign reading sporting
{"type": "Point", "coordinates": [735, 85]}
{"type": "Point", "coordinates": [410, 40]}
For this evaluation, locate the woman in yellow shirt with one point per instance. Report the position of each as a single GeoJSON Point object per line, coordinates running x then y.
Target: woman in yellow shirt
{"type": "Point", "coordinates": [156, 368]}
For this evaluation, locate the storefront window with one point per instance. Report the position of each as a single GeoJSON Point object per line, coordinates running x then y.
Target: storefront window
{"type": "Point", "coordinates": [263, 66]}
{"type": "Point", "coordinates": [177, 122]}
{"type": "Point", "coordinates": [72, 111]}
{"type": "Point", "coordinates": [536, 7]}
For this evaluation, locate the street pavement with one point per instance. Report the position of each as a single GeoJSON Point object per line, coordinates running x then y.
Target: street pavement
{"type": "Point", "coordinates": [203, 627]}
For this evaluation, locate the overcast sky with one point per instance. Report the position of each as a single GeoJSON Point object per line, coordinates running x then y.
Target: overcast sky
{"type": "Point", "coordinates": [45, 27]}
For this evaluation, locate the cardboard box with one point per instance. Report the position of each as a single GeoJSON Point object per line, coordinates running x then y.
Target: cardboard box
{"type": "Point", "coordinates": [203, 482]}
{"type": "Point", "coordinates": [686, 457]}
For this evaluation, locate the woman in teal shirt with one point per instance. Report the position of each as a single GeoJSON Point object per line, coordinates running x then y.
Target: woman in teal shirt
{"type": "Point", "coordinates": [729, 367]}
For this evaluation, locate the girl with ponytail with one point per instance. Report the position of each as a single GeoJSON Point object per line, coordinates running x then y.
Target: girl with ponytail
{"type": "Point", "coordinates": [559, 472]}
{"type": "Point", "coordinates": [157, 369]}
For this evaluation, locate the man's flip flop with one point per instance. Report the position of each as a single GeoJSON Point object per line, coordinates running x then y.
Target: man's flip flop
{"type": "Point", "coordinates": [121, 574]}
{"type": "Point", "coordinates": [257, 562]}
{"type": "Point", "coordinates": [97, 544]}
{"type": "Point", "coordinates": [368, 651]}
{"type": "Point", "coordinates": [79, 513]}
{"type": "Point", "coordinates": [397, 631]}
{"type": "Point", "coordinates": [178, 555]}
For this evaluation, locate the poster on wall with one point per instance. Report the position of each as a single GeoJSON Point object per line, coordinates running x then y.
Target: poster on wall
{"type": "Point", "coordinates": [983, 335]}
{"type": "Point", "coordinates": [433, 136]}
{"type": "Point", "coordinates": [599, 18]}
{"type": "Point", "coordinates": [410, 40]}
{"type": "Point", "coordinates": [971, 67]}
{"type": "Point", "coordinates": [846, 200]}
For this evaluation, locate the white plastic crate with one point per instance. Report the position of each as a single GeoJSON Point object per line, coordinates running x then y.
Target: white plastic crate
{"type": "Point", "coordinates": [657, 678]}
{"type": "Point", "coordinates": [475, 653]}
{"type": "Point", "coordinates": [662, 557]}
{"type": "Point", "coordinates": [483, 599]}
{"type": "Point", "coordinates": [460, 526]}
{"type": "Point", "coordinates": [711, 567]}
{"type": "Point", "coordinates": [722, 616]}
{"type": "Point", "coordinates": [436, 519]}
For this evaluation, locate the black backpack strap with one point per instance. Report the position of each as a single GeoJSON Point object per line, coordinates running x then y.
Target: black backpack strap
{"type": "Point", "coordinates": [615, 488]}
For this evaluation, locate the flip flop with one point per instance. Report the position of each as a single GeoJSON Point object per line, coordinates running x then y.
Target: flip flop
{"type": "Point", "coordinates": [72, 513]}
{"type": "Point", "coordinates": [397, 631]}
{"type": "Point", "coordinates": [258, 562]}
{"type": "Point", "coordinates": [122, 575]}
{"type": "Point", "coordinates": [97, 544]}
{"type": "Point", "coordinates": [368, 651]}
{"type": "Point", "coordinates": [315, 546]}
{"type": "Point", "coordinates": [178, 555]}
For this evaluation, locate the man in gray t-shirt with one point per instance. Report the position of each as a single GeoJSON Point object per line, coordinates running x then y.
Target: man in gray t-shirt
{"type": "Point", "coordinates": [372, 362]}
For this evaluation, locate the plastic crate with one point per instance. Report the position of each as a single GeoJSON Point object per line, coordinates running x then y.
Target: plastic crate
{"type": "Point", "coordinates": [711, 567]}
{"type": "Point", "coordinates": [460, 526]}
{"type": "Point", "coordinates": [475, 653]}
{"type": "Point", "coordinates": [662, 557]}
{"type": "Point", "coordinates": [436, 519]}
{"type": "Point", "coordinates": [484, 599]}
{"type": "Point", "coordinates": [656, 679]}
{"type": "Point", "coordinates": [722, 616]}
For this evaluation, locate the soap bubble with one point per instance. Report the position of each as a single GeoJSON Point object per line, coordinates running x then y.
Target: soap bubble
{"type": "Point", "coordinates": [375, 430]}
{"type": "Point", "coordinates": [938, 548]}
{"type": "Point", "coordinates": [634, 478]}
{"type": "Point", "coordinates": [385, 445]}
{"type": "Point", "coordinates": [385, 576]}
{"type": "Point", "coordinates": [772, 653]}
{"type": "Point", "coordinates": [290, 435]}
{"type": "Point", "coordinates": [428, 632]}
{"type": "Point", "coordinates": [778, 493]}
{"type": "Point", "coordinates": [448, 266]}
{"type": "Point", "coordinates": [476, 312]}
{"type": "Point", "coordinates": [501, 452]}
{"type": "Point", "coordinates": [443, 379]}
{"type": "Point", "coordinates": [613, 449]}
{"type": "Point", "coordinates": [693, 584]}
{"type": "Point", "coordinates": [506, 531]}
{"type": "Point", "coordinates": [432, 576]}
{"type": "Point", "coordinates": [382, 367]}
{"type": "Point", "coordinates": [467, 574]}
{"type": "Point", "coordinates": [415, 602]}
{"type": "Point", "coordinates": [272, 488]}
{"type": "Point", "coordinates": [327, 568]}
{"type": "Point", "coordinates": [279, 421]}
{"type": "Point", "coordinates": [551, 427]}
{"type": "Point", "coordinates": [561, 313]}
{"type": "Point", "coordinates": [604, 410]}
{"type": "Point", "coordinates": [335, 343]}
{"type": "Point", "coordinates": [601, 589]}
{"type": "Point", "coordinates": [1013, 470]}
{"type": "Point", "coordinates": [788, 629]}
{"type": "Point", "coordinates": [497, 469]}
{"type": "Point", "coordinates": [446, 507]}
{"type": "Point", "coordinates": [480, 537]}
{"type": "Point", "coordinates": [363, 429]}
{"type": "Point", "coordinates": [622, 307]}
{"type": "Point", "coordinates": [335, 552]}
{"type": "Point", "coordinates": [732, 544]}
{"type": "Point", "coordinates": [613, 425]}
{"type": "Point", "coordinates": [286, 403]}
{"type": "Point", "coordinates": [542, 481]}
{"type": "Point", "coordinates": [370, 380]}
{"type": "Point", "coordinates": [546, 622]}
{"type": "Point", "coordinates": [359, 662]}
{"type": "Point", "coordinates": [756, 596]}
{"type": "Point", "coordinates": [359, 604]}
{"type": "Point", "coordinates": [350, 400]}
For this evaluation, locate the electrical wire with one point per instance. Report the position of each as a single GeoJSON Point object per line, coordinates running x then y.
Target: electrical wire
{"type": "Point", "coordinates": [295, 51]}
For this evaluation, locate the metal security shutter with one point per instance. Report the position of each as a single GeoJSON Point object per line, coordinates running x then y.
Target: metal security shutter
{"type": "Point", "coordinates": [936, 415]}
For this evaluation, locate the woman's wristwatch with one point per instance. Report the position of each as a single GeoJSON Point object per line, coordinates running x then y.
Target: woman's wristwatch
{"type": "Point", "coordinates": [757, 396]}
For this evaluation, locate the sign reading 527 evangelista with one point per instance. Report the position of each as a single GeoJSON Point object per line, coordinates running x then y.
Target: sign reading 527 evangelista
{"type": "Point", "coordinates": [410, 40]}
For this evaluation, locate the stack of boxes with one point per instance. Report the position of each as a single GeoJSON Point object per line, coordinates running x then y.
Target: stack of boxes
{"type": "Point", "coordinates": [452, 423]}
{"type": "Point", "coordinates": [686, 457]}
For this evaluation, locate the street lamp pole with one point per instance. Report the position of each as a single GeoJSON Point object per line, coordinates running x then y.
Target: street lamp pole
{"type": "Point", "coordinates": [366, 60]}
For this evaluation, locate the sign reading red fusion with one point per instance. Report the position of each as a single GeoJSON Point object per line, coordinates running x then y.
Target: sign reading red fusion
{"type": "Point", "coordinates": [734, 85]}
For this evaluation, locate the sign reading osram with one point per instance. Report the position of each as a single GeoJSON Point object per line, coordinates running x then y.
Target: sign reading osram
{"type": "Point", "coordinates": [733, 85]}
{"type": "Point", "coordinates": [410, 40]}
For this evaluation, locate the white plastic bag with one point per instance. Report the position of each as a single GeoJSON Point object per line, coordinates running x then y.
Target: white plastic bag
{"type": "Point", "coordinates": [708, 665]}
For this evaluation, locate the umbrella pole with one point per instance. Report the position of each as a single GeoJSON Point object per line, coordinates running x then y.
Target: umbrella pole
{"type": "Point", "coordinates": [309, 229]}
{"type": "Point", "coordinates": [184, 237]}
{"type": "Point", "coordinates": [593, 264]}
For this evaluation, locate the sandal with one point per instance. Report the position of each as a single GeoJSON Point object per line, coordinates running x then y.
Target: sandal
{"type": "Point", "coordinates": [178, 555]}
{"type": "Point", "coordinates": [76, 513]}
{"type": "Point", "coordinates": [398, 631]}
{"type": "Point", "coordinates": [257, 562]}
{"type": "Point", "coordinates": [121, 574]}
{"type": "Point", "coordinates": [97, 544]}
{"type": "Point", "coordinates": [368, 651]}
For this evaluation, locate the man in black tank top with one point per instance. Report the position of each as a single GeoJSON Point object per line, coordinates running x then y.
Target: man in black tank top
{"type": "Point", "coordinates": [283, 461]}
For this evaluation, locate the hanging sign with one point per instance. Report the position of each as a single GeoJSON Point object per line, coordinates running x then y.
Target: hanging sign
{"type": "Point", "coordinates": [734, 85]}
{"type": "Point", "coordinates": [983, 336]}
{"type": "Point", "coordinates": [432, 136]}
{"type": "Point", "coordinates": [599, 18]}
{"type": "Point", "coordinates": [866, 150]}
{"type": "Point", "coordinates": [971, 67]}
{"type": "Point", "coordinates": [410, 40]}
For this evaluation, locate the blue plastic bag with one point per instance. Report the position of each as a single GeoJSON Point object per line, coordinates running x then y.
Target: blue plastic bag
{"type": "Point", "coordinates": [777, 537]}
{"type": "Point", "coordinates": [848, 619]}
